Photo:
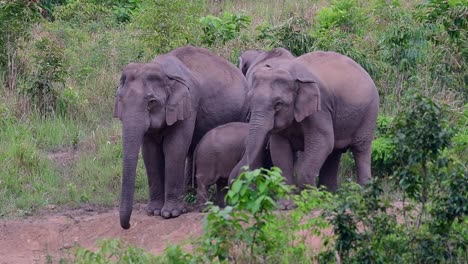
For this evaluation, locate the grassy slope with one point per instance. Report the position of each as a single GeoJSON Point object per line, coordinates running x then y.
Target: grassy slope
{"type": "Point", "coordinates": [95, 53]}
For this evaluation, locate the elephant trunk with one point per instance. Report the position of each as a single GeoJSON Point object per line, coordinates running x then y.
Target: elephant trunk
{"type": "Point", "coordinates": [260, 125]}
{"type": "Point", "coordinates": [132, 140]}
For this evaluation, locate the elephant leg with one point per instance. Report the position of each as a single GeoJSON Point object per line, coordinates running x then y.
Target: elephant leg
{"type": "Point", "coordinates": [318, 144]}
{"type": "Point", "coordinates": [202, 195]}
{"type": "Point", "coordinates": [176, 145]}
{"type": "Point", "coordinates": [237, 170]}
{"type": "Point", "coordinates": [362, 158]}
{"type": "Point", "coordinates": [153, 158]}
{"type": "Point", "coordinates": [221, 192]}
{"type": "Point", "coordinates": [189, 182]}
{"type": "Point", "coordinates": [282, 156]}
{"type": "Point", "coordinates": [329, 172]}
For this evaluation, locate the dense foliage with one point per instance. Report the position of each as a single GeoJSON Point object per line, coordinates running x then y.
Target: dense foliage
{"type": "Point", "coordinates": [60, 62]}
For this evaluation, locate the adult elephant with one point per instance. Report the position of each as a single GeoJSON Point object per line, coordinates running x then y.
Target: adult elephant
{"type": "Point", "coordinates": [321, 103]}
{"type": "Point", "coordinates": [166, 106]}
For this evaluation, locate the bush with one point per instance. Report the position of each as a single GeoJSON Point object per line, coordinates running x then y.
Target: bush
{"type": "Point", "coordinates": [48, 77]}
{"type": "Point", "coordinates": [165, 25]}
{"type": "Point", "coordinates": [19, 15]}
{"type": "Point", "coordinates": [124, 10]}
{"type": "Point", "coordinates": [249, 225]}
{"type": "Point", "coordinates": [434, 198]}
{"type": "Point", "coordinates": [291, 35]}
{"type": "Point", "coordinates": [403, 43]}
{"type": "Point", "coordinates": [343, 14]}
{"type": "Point", "coordinates": [79, 12]}
{"type": "Point", "coordinates": [224, 28]}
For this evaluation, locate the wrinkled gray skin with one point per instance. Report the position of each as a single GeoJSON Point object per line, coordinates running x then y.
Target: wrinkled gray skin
{"type": "Point", "coordinates": [166, 106]}
{"type": "Point", "coordinates": [219, 151]}
{"type": "Point", "coordinates": [321, 103]}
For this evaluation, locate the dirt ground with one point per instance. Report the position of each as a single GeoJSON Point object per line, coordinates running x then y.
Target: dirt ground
{"type": "Point", "coordinates": [53, 235]}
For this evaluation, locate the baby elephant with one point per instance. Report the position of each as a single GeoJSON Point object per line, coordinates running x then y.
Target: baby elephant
{"type": "Point", "coordinates": [218, 152]}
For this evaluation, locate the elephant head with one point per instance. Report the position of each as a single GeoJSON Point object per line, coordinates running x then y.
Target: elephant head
{"type": "Point", "coordinates": [150, 97]}
{"type": "Point", "coordinates": [247, 58]}
{"type": "Point", "coordinates": [282, 92]}
{"type": "Point", "coordinates": [251, 58]}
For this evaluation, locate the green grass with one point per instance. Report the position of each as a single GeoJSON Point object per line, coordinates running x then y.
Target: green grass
{"type": "Point", "coordinates": [28, 179]}
{"type": "Point", "coordinates": [33, 177]}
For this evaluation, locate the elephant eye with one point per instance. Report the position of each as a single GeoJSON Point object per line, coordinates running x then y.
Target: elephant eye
{"type": "Point", "coordinates": [278, 106]}
{"type": "Point", "coordinates": [152, 103]}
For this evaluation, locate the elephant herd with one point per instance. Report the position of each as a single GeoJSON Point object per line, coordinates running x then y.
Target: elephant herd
{"type": "Point", "coordinates": [193, 112]}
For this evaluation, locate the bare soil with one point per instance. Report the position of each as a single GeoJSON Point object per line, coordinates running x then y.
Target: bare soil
{"type": "Point", "coordinates": [55, 235]}
{"type": "Point", "coordinates": [51, 235]}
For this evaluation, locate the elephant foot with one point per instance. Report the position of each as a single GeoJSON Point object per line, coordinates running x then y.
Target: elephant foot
{"type": "Point", "coordinates": [154, 208]}
{"type": "Point", "coordinates": [286, 204]}
{"type": "Point", "coordinates": [172, 210]}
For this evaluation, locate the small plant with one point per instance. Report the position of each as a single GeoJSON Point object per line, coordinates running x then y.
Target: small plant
{"type": "Point", "coordinates": [249, 225]}
{"type": "Point", "coordinates": [165, 25]}
{"type": "Point", "coordinates": [383, 147]}
{"type": "Point", "coordinates": [48, 75]}
{"type": "Point", "coordinates": [292, 35]}
{"type": "Point", "coordinates": [343, 14]}
{"type": "Point", "coordinates": [252, 198]}
{"type": "Point", "coordinates": [123, 10]}
{"type": "Point", "coordinates": [224, 28]}
{"type": "Point", "coordinates": [113, 251]}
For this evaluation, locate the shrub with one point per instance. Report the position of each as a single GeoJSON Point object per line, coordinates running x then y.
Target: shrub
{"type": "Point", "coordinates": [291, 35]}
{"type": "Point", "coordinates": [165, 25]}
{"type": "Point", "coordinates": [383, 156]}
{"type": "Point", "coordinates": [252, 197]}
{"type": "Point", "coordinates": [79, 12]}
{"type": "Point", "coordinates": [383, 147]}
{"type": "Point", "coordinates": [19, 15]}
{"type": "Point", "coordinates": [421, 134]}
{"type": "Point", "coordinates": [249, 225]}
{"type": "Point", "coordinates": [343, 14]}
{"type": "Point", "coordinates": [403, 43]}
{"type": "Point", "coordinates": [451, 14]}
{"type": "Point", "coordinates": [224, 28]}
{"type": "Point", "coordinates": [48, 76]}
{"type": "Point", "coordinates": [434, 198]}
{"type": "Point", "coordinates": [124, 10]}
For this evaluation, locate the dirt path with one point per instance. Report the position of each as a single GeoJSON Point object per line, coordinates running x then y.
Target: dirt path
{"type": "Point", "coordinates": [53, 235]}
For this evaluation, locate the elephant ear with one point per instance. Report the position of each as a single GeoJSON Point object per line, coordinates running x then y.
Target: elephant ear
{"type": "Point", "coordinates": [179, 102]}
{"type": "Point", "coordinates": [243, 65]}
{"type": "Point", "coordinates": [247, 58]}
{"type": "Point", "coordinates": [307, 93]}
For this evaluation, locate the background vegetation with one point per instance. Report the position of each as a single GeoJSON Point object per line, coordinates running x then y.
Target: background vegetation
{"type": "Point", "coordinates": [60, 61]}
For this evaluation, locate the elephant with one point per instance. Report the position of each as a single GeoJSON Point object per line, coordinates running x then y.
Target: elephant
{"type": "Point", "coordinates": [321, 103]}
{"type": "Point", "coordinates": [166, 106]}
{"type": "Point", "coordinates": [217, 154]}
